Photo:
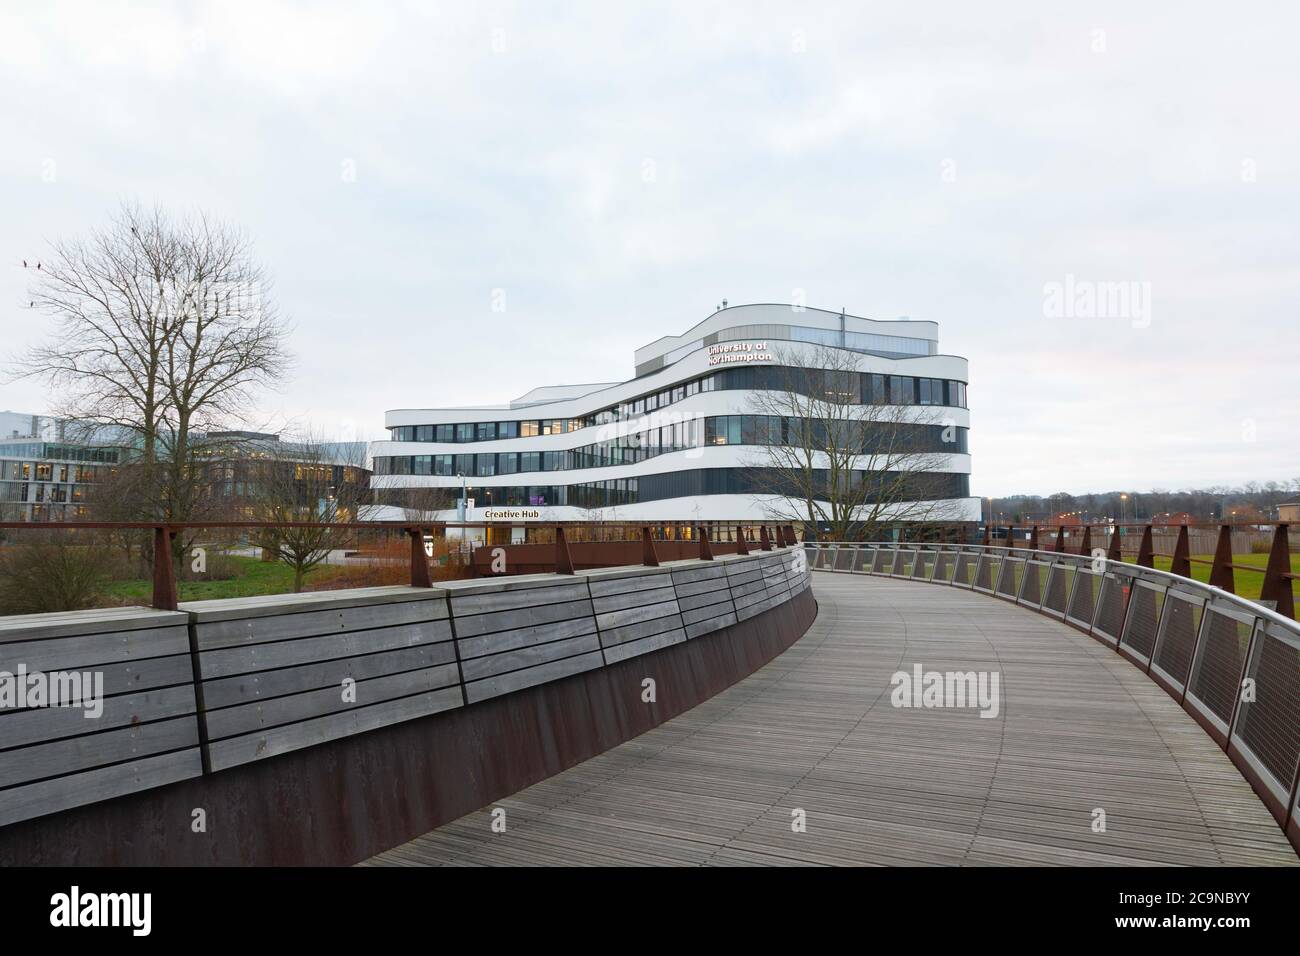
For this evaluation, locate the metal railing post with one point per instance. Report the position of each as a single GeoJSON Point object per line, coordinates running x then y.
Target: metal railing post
{"type": "Point", "coordinates": [1277, 586]}
{"type": "Point", "coordinates": [649, 556]}
{"type": "Point", "coordinates": [706, 552]}
{"type": "Point", "coordinates": [1146, 550]}
{"type": "Point", "coordinates": [742, 547]}
{"type": "Point", "coordinates": [419, 560]}
{"type": "Point", "coordinates": [1221, 570]}
{"type": "Point", "coordinates": [164, 575]}
{"type": "Point", "coordinates": [765, 540]}
{"type": "Point", "coordinates": [1182, 560]}
{"type": "Point", "coordinates": [1085, 548]}
{"type": "Point", "coordinates": [563, 560]}
{"type": "Point", "coordinates": [1060, 538]}
{"type": "Point", "coordinates": [1115, 552]}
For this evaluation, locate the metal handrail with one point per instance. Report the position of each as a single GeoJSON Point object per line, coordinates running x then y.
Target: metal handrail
{"type": "Point", "coordinates": [165, 595]}
{"type": "Point", "coordinates": [1279, 794]}
{"type": "Point", "coordinates": [1122, 567]}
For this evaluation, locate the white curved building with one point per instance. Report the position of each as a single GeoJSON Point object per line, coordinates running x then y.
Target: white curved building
{"type": "Point", "coordinates": [677, 442]}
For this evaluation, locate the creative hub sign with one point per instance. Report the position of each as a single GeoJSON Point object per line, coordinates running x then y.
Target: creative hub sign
{"type": "Point", "coordinates": [512, 514]}
{"type": "Point", "coordinates": [728, 352]}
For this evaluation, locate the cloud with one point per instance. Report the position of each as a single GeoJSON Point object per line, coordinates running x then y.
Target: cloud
{"type": "Point", "coordinates": [617, 171]}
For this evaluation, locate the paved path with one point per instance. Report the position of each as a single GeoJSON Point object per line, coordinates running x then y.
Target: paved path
{"type": "Point", "coordinates": [1080, 729]}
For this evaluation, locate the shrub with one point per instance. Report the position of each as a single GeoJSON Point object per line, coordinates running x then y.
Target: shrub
{"type": "Point", "coordinates": [51, 573]}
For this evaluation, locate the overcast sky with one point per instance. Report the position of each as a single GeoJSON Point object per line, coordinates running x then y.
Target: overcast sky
{"type": "Point", "coordinates": [618, 169]}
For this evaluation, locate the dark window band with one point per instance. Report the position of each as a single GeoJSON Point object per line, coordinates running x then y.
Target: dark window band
{"type": "Point", "coordinates": [864, 388]}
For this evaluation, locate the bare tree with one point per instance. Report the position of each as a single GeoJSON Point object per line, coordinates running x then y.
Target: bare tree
{"type": "Point", "coordinates": [164, 329]}
{"type": "Point", "coordinates": [308, 482]}
{"type": "Point", "coordinates": [856, 464]}
{"type": "Point", "coordinates": [227, 342]}
{"type": "Point", "coordinates": [108, 295]}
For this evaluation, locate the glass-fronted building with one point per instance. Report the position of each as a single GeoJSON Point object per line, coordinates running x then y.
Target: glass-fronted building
{"type": "Point", "coordinates": [51, 481]}
{"type": "Point", "coordinates": [685, 438]}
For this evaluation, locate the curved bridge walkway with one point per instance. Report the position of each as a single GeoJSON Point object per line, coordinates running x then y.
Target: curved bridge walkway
{"type": "Point", "coordinates": [1080, 729]}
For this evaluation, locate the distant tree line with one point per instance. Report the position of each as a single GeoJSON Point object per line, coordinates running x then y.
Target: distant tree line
{"type": "Point", "coordinates": [1253, 501]}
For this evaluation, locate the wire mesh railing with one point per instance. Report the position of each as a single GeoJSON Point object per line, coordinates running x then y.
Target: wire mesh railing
{"type": "Point", "coordinates": [1184, 546]}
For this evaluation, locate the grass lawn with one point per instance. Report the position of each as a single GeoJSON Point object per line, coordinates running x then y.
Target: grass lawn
{"type": "Point", "coordinates": [1248, 583]}
{"type": "Point", "coordinates": [253, 577]}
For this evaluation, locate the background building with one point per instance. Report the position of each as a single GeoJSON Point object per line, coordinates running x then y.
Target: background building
{"type": "Point", "coordinates": [676, 442]}
{"type": "Point", "coordinates": [51, 481]}
{"type": "Point", "coordinates": [239, 470]}
{"type": "Point", "coordinates": [48, 467]}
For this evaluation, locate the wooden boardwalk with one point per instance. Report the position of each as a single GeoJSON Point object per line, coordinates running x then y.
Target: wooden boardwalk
{"type": "Point", "coordinates": [1080, 729]}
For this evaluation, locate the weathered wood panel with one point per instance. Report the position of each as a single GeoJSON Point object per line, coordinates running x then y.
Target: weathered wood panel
{"type": "Point", "coordinates": [519, 633]}
{"type": "Point", "coordinates": [135, 722]}
{"type": "Point", "coordinates": [750, 583]}
{"type": "Point", "coordinates": [704, 596]}
{"type": "Point", "coordinates": [273, 683]}
{"type": "Point", "coordinates": [308, 733]}
{"type": "Point", "coordinates": [636, 612]}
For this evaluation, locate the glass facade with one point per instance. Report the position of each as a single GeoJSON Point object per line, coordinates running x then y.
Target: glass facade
{"type": "Point", "coordinates": [871, 437]}
{"type": "Point", "coordinates": [849, 388]}
{"type": "Point", "coordinates": [696, 482]}
{"type": "Point", "coordinates": [47, 481]}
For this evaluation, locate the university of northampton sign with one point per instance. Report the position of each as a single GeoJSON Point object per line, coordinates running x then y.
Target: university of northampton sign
{"type": "Point", "coordinates": [727, 353]}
